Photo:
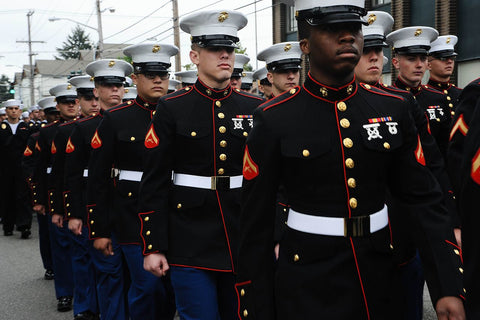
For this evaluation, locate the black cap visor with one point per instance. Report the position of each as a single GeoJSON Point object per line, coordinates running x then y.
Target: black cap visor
{"type": "Point", "coordinates": [106, 80]}
{"type": "Point", "coordinates": [333, 14]}
{"type": "Point", "coordinates": [285, 64]}
{"type": "Point", "coordinates": [151, 67]}
{"type": "Point", "coordinates": [443, 54]}
{"type": "Point", "coordinates": [217, 40]}
{"type": "Point", "coordinates": [66, 99]}
{"type": "Point", "coordinates": [413, 50]}
{"type": "Point", "coordinates": [374, 40]}
{"type": "Point", "coordinates": [50, 110]}
{"type": "Point", "coordinates": [237, 73]}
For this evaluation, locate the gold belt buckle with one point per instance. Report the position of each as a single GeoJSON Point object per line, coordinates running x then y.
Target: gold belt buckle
{"type": "Point", "coordinates": [357, 226]}
{"type": "Point", "coordinates": [220, 183]}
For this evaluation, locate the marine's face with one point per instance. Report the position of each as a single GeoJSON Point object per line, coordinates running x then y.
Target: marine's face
{"type": "Point", "coordinates": [334, 48]}
{"type": "Point", "coordinates": [441, 68]}
{"type": "Point", "coordinates": [214, 64]}
{"type": "Point", "coordinates": [411, 67]}
{"type": "Point", "coordinates": [283, 80]}
{"type": "Point", "coordinates": [370, 65]}
{"type": "Point", "coordinates": [151, 86]}
{"type": "Point", "coordinates": [109, 95]}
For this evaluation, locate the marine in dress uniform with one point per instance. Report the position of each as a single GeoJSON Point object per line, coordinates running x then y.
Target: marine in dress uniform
{"type": "Point", "coordinates": [467, 103]}
{"type": "Point", "coordinates": [31, 158]}
{"type": "Point", "coordinates": [190, 225]}
{"type": "Point", "coordinates": [264, 86]}
{"type": "Point", "coordinates": [85, 297]}
{"type": "Point", "coordinates": [119, 144]}
{"type": "Point", "coordinates": [130, 94]}
{"type": "Point", "coordinates": [368, 70]}
{"type": "Point", "coordinates": [411, 46]}
{"type": "Point", "coordinates": [468, 195]}
{"type": "Point", "coordinates": [14, 133]}
{"type": "Point", "coordinates": [337, 146]}
{"type": "Point", "coordinates": [188, 78]}
{"type": "Point", "coordinates": [238, 74]}
{"type": "Point", "coordinates": [283, 64]}
{"type": "Point", "coordinates": [50, 201]}
{"type": "Point", "coordinates": [110, 282]}
{"type": "Point", "coordinates": [441, 63]}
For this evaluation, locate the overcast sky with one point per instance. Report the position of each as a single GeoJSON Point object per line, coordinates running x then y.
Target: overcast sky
{"type": "Point", "coordinates": [132, 22]}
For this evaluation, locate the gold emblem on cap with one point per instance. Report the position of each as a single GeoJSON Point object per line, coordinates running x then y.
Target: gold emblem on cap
{"type": "Point", "coordinates": [155, 48]}
{"type": "Point", "coordinates": [287, 47]}
{"type": "Point", "coordinates": [92, 78]}
{"type": "Point", "coordinates": [126, 90]}
{"type": "Point", "coordinates": [372, 18]}
{"type": "Point", "coordinates": [69, 87]}
{"type": "Point", "coordinates": [449, 39]}
{"type": "Point", "coordinates": [418, 32]}
{"type": "Point", "coordinates": [244, 74]}
{"type": "Point", "coordinates": [223, 16]}
{"type": "Point", "coordinates": [111, 63]}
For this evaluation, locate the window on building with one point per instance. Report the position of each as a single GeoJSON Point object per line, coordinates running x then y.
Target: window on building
{"type": "Point", "coordinates": [376, 3]}
{"type": "Point", "coordinates": [291, 21]}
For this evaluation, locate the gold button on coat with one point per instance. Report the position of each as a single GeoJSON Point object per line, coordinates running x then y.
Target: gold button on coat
{"type": "Point", "coordinates": [148, 233]}
{"type": "Point", "coordinates": [91, 210]}
{"type": "Point", "coordinates": [218, 103]}
{"type": "Point", "coordinates": [386, 145]}
{"type": "Point", "coordinates": [460, 269]}
{"type": "Point", "coordinates": [348, 143]}
{"type": "Point", "coordinates": [223, 157]}
{"type": "Point", "coordinates": [132, 139]}
{"type": "Point", "coordinates": [221, 115]}
{"type": "Point", "coordinates": [129, 194]}
{"type": "Point", "coordinates": [345, 123]}
{"type": "Point", "coordinates": [222, 129]}
{"type": "Point", "coordinates": [448, 98]}
{"type": "Point", "coordinates": [242, 292]}
{"type": "Point", "coordinates": [245, 313]}
{"type": "Point", "coordinates": [350, 163]}
{"type": "Point", "coordinates": [245, 134]}
{"type": "Point", "coordinates": [67, 205]}
{"type": "Point", "coordinates": [450, 105]}
{"type": "Point", "coordinates": [296, 258]}
{"type": "Point", "coordinates": [221, 171]}
{"type": "Point", "coordinates": [193, 134]}
{"type": "Point", "coordinates": [153, 113]}
{"type": "Point", "coordinates": [223, 143]}
{"type": "Point", "coordinates": [342, 106]}
{"type": "Point", "coordinates": [352, 183]}
{"type": "Point", "coordinates": [66, 195]}
{"type": "Point", "coordinates": [353, 203]}
{"type": "Point", "coordinates": [92, 222]}
{"type": "Point", "coordinates": [179, 206]}
{"type": "Point", "coordinates": [150, 247]}
{"type": "Point", "coordinates": [306, 153]}
{"type": "Point", "coordinates": [93, 233]}
{"type": "Point", "coordinates": [147, 218]}
{"type": "Point", "coordinates": [456, 252]}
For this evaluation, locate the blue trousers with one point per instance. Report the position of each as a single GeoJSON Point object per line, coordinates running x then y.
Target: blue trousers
{"type": "Point", "coordinates": [84, 278]}
{"type": "Point", "coordinates": [413, 283]}
{"type": "Point", "coordinates": [111, 284]}
{"type": "Point", "coordinates": [203, 294]}
{"type": "Point", "coordinates": [149, 297]}
{"type": "Point", "coordinates": [44, 241]}
{"type": "Point", "coordinates": [62, 259]}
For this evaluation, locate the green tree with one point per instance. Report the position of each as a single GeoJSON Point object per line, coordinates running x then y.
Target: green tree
{"type": "Point", "coordinates": [76, 41]}
{"type": "Point", "coordinates": [5, 88]}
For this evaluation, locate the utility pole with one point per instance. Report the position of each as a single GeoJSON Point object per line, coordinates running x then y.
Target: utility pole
{"type": "Point", "coordinates": [30, 58]}
{"type": "Point", "coordinates": [176, 36]}
{"type": "Point", "coordinates": [100, 31]}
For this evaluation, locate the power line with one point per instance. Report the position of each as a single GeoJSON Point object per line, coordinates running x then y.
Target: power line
{"type": "Point", "coordinates": [247, 5]}
{"type": "Point", "coordinates": [142, 19]}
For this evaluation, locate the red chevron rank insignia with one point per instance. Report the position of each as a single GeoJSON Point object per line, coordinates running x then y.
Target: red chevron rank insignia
{"type": "Point", "coordinates": [460, 125]}
{"type": "Point", "coordinates": [475, 173]}
{"type": "Point", "coordinates": [27, 152]}
{"type": "Point", "coordinates": [250, 168]}
{"type": "Point", "coordinates": [53, 149]}
{"type": "Point", "coordinates": [419, 152]}
{"type": "Point", "coordinates": [96, 141]}
{"type": "Point", "coordinates": [70, 147]}
{"type": "Point", "coordinates": [151, 139]}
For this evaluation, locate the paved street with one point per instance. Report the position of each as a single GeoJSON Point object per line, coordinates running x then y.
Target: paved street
{"type": "Point", "coordinates": [25, 295]}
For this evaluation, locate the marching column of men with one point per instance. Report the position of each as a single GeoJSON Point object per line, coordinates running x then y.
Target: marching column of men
{"type": "Point", "coordinates": [215, 203]}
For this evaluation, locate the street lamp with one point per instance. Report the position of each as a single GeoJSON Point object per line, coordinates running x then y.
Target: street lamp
{"type": "Point", "coordinates": [99, 22]}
